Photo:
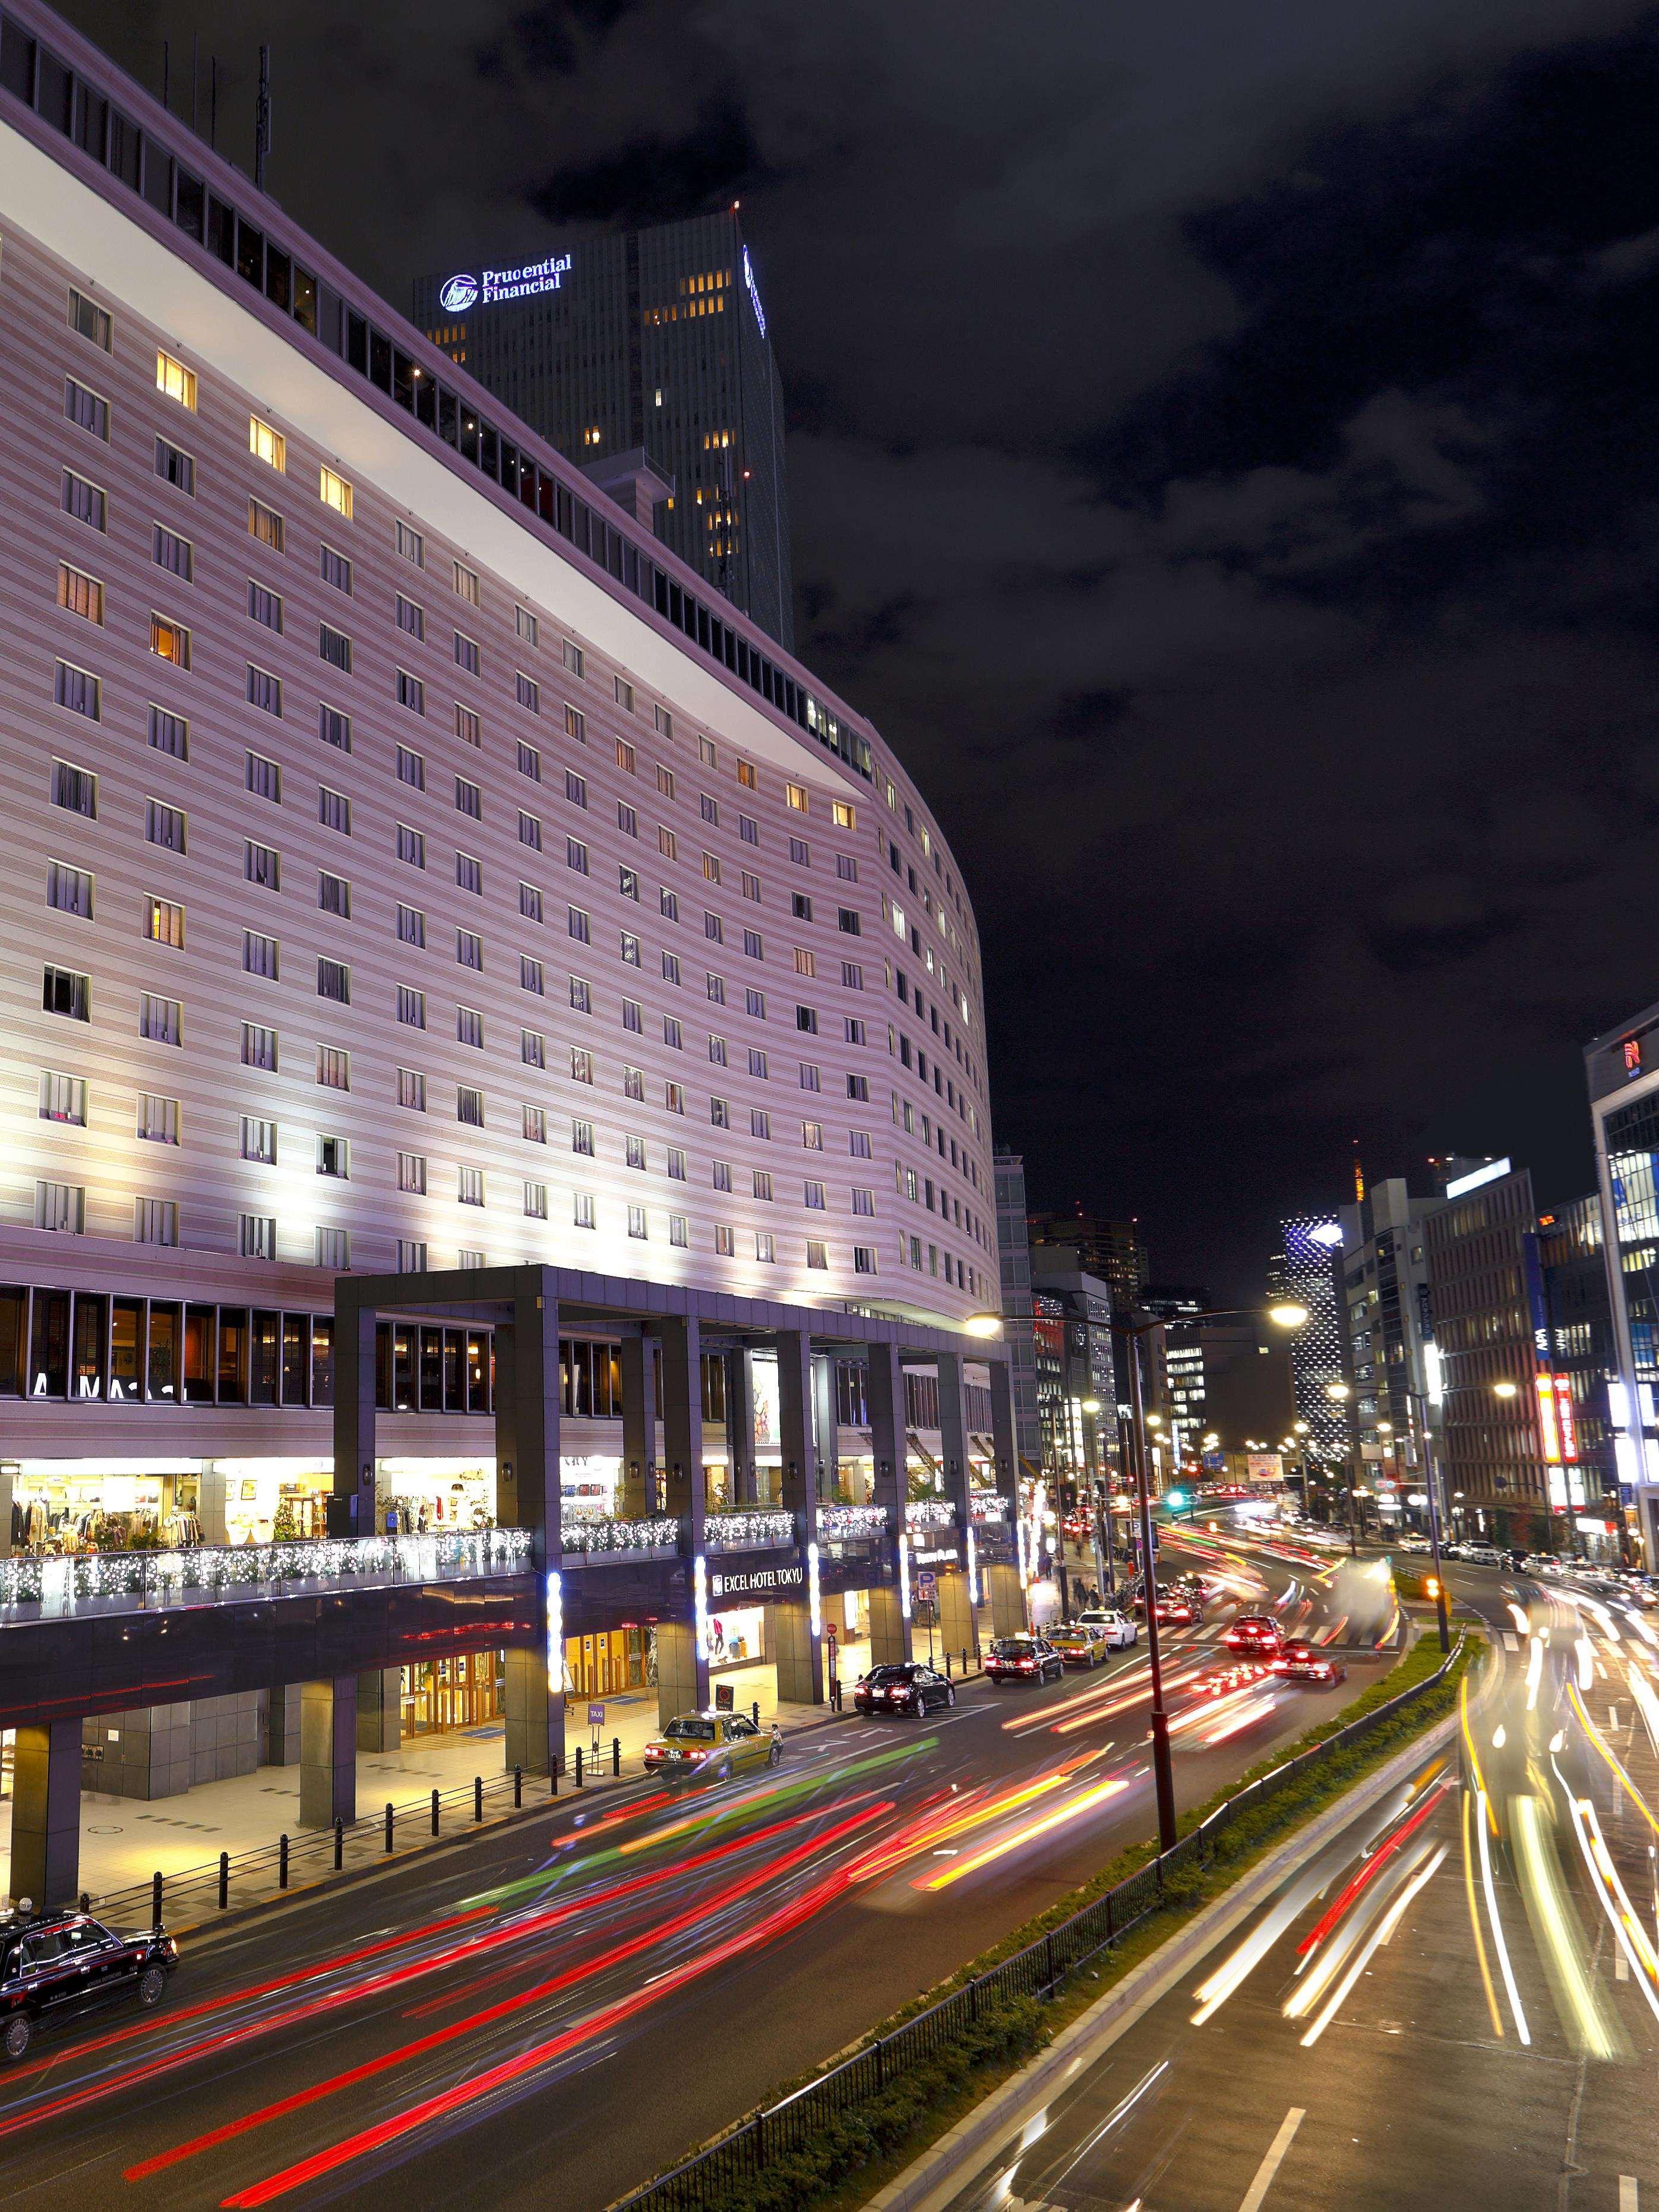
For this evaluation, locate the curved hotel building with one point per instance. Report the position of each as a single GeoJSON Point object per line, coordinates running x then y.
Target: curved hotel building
{"type": "Point", "coordinates": [419, 878]}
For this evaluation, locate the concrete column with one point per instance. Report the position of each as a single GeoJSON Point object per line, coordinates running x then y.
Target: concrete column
{"type": "Point", "coordinates": [826, 1428]}
{"type": "Point", "coordinates": [799, 1653]}
{"type": "Point", "coordinates": [379, 1710]}
{"type": "Point", "coordinates": [682, 1671]}
{"type": "Point", "coordinates": [1004, 1433]}
{"type": "Point", "coordinates": [212, 1494]}
{"type": "Point", "coordinates": [328, 1752]}
{"type": "Point", "coordinates": [685, 1490]}
{"type": "Point", "coordinates": [528, 1494]}
{"type": "Point", "coordinates": [953, 1432]}
{"type": "Point", "coordinates": [740, 1426]}
{"type": "Point", "coordinates": [351, 1511]}
{"type": "Point", "coordinates": [282, 1725]}
{"type": "Point", "coordinates": [46, 1814]}
{"type": "Point", "coordinates": [958, 1624]}
{"type": "Point", "coordinates": [637, 1492]}
{"type": "Point", "coordinates": [1008, 1595]}
{"type": "Point", "coordinates": [883, 1397]}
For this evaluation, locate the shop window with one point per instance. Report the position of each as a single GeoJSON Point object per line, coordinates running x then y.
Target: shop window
{"type": "Point", "coordinates": [432, 1371]}
{"type": "Point", "coordinates": [233, 1356]}
{"type": "Point", "coordinates": [49, 1345]}
{"type": "Point", "coordinates": [91, 1331]}
{"type": "Point", "coordinates": [403, 1370]}
{"type": "Point", "coordinates": [14, 1310]}
{"type": "Point", "coordinates": [454, 1371]}
{"type": "Point", "coordinates": [126, 1347]}
{"type": "Point", "coordinates": [200, 1354]}
{"type": "Point", "coordinates": [161, 1376]}
{"type": "Point", "coordinates": [265, 1352]}
{"type": "Point", "coordinates": [322, 1359]}
{"type": "Point", "coordinates": [477, 1371]}
{"type": "Point", "coordinates": [297, 1358]}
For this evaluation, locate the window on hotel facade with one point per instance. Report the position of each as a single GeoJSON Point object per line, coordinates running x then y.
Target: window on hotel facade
{"type": "Point", "coordinates": [84, 501]}
{"type": "Point", "coordinates": [68, 889]}
{"type": "Point", "coordinates": [258, 1047]}
{"type": "Point", "coordinates": [174, 381]}
{"type": "Point", "coordinates": [267, 444]}
{"type": "Point", "coordinates": [86, 408]}
{"type": "Point", "coordinates": [78, 691]}
{"type": "Point", "coordinates": [64, 1098]}
{"type": "Point", "coordinates": [334, 492]}
{"type": "Point", "coordinates": [176, 467]}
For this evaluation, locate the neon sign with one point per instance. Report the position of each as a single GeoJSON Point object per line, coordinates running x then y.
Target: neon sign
{"type": "Point", "coordinates": [459, 293]}
{"type": "Point", "coordinates": [1557, 1420]}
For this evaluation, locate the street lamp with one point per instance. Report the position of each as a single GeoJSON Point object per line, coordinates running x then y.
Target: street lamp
{"type": "Point", "coordinates": [1339, 1394]}
{"type": "Point", "coordinates": [1506, 1389]}
{"type": "Point", "coordinates": [1286, 1314]}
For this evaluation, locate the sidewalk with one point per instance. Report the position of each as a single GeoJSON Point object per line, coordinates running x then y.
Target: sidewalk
{"type": "Point", "coordinates": [124, 1841]}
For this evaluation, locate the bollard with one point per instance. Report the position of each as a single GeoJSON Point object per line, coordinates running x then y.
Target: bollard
{"type": "Point", "coordinates": [754, 1712]}
{"type": "Point", "coordinates": [86, 1900]}
{"type": "Point", "coordinates": [947, 1666]}
{"type": "Point", "coordinates": [388, 1827]}
{"type": "Point", "coordinates": [579, 1766]}
{"type": "Point", "coordinates": [477, 1796]}
{"type": "Point", "coordinates": [553, 1774]}
{"type": "Point", "coordinates": [339, 1845]}
{"type": "Point", "coordinates": [964, 1658]}
{"type": "Point", "coordinates": [434, 1811]}
{"type": "Point", "coordinates": [224, 1880]}
{"type": "Point", "coordinates": [517, 1788]}
{"type": "Point", "coordinates": [156, 1900]}
{"type": "Point", "coordinates": [616, 1757]}
{"type": "Point", "coordinates": [282, 1860]}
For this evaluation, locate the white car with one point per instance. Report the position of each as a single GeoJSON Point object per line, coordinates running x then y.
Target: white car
{"type": "Point", "coordinates": [1483, 1555]}
{"type": "Point", "coordinates": [1115, 1630]}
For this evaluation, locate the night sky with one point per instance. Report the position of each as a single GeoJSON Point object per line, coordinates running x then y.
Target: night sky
{"type": "Point", "coordinates": [1222, 459]}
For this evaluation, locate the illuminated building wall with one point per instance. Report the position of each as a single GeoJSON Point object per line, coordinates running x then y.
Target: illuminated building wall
{"type": "Point", "coordinates": [1305, 1272]}
{"type": "Point", "coordinates": [409, 866]}
{"type": "Point", "coordinates": [656, 340]}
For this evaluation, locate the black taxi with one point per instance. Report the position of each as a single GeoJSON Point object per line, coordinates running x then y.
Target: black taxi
{"type": "Point", "coordinates": [56, 1966]}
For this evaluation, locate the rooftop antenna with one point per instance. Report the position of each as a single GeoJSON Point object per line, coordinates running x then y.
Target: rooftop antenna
{"type": "Point", "coordinates": [261, 121]}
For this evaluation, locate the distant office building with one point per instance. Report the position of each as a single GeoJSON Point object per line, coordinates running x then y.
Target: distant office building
{"type": "Point", "coordinates": [644, 358]}
{"type": "Point", "coordinates": [1182, 1363]}
{"type": "Point", "coordinates": [1009, 1169]}
{"type": "Point", "coordinates": [1622, 1067]}
{"type": "Point", "coordinates": [1112, 1251]}
{"type": "Point", "coordinates": [1580, 1346]}
{"type": "Point", "coordinates": [1072, 1323]}
{"type": "Point", "coordinates": [1249, 1388]}
{"type": "Point", "coordinates": [1387, 1334]}
{"type": "Point", "coordinates": [1304, 1269]}
{"type": "Point", "coordinates": [1482, 1253]}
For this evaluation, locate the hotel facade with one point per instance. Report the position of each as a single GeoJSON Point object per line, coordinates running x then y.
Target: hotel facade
{"type": "Point", "coordinates": [416, 871]}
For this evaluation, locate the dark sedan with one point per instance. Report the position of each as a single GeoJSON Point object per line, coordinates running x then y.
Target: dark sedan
{"type": "Point", "coordinates": [55, 1968]}
{"type": "Point", "coordinates": [1306, 1662]}
{"type": "Point", "coordinates": [913, 1689]}
{"type": "Point", "coordinates": [1024, 1659]}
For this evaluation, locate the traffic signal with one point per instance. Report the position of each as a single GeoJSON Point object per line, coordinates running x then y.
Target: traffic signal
{"type": "Point", "coordinates": [1174, 1499]}
{"type": "Point", "coordinates": [1430, 1586]}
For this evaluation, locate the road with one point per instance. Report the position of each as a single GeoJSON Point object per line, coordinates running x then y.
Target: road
{"type": "Point", "coordinates": [550, 2013]}
{"type": "Point", "coordinates": [1428, 2014]}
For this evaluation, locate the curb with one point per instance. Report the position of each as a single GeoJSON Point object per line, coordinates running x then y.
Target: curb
{"type": "Point", "coordinates": [948, 2166]}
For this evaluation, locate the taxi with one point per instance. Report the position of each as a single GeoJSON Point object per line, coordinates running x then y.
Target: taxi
{"type": "Point", "coordinates": [55, 1966]}
{"type": "Point", "coordinates": [711, 1748]}
{"type": "Point", "coordinates": [1078, 1645]}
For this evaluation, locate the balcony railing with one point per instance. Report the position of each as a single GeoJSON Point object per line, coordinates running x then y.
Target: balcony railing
{"type": "Point", "coordinates": [852, 1524]}
{"type": "Point", "coordinates": [766, 1530]}
{"type": "Point", "coordinates": [989, 1507]}
{"type": "Point", "coordinates": [120, 1581]}
{"type": "Point", "coordinates": [931, 1513]}
{"type": "Point", "coordinates": [658, 1536]}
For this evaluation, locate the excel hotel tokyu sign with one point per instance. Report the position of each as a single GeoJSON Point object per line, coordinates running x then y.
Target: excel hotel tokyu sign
{"type": "Point", "coordinates": [457, 294]}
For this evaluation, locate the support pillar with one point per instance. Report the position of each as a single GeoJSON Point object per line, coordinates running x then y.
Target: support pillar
{"type": "Point", "coordinates": [282, 1725]}
{"type": "Point", "coordinates": [379, 1709]}
{"type": "Point", "coordinates": [883, 1397]}
{"type": "Point", "coordinates": [636, 1496]}
{"type": "Point", "coordinates": [1002, 1584]}
{"type": "Point", "coordinates": [328, 1752]}
{"type": "Point", "coordinates": [740, 1426]}
{"type": "Point", "coordinates": [826, 1427]}
{"type": "Point", "coordinates": [796, 1641]}
{"type": "Point", "coordinates": [46, 1814]}
{"type": "Point", "coordinates": [682, 1671]}
{"type": "Point", "coordinates": [528, 1496]}
{"type": "Point", "coordinates": [351, 1508]}
{"type": "Point", "coordinates": [958, 1623]}
{"type": "Point", "coordinates": [1007, 1595]}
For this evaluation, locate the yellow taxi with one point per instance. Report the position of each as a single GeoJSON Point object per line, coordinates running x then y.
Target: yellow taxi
{"type": "Point", "coordinates": [1079, 1646]}
{"type": "Point", "coordinates": [711, 1748]}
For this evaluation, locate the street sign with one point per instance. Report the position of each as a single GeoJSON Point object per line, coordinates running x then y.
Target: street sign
{"type": "Point", "coordinates": [926, 1584]}
{"type": "Point", "coordinates": [724, 1697]}
{"type": "Point", "coordinates": [596, 1717]}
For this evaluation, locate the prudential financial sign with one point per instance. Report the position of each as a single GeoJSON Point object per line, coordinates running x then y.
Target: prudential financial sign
{"type": "Point", "coordinates": [457, 294]}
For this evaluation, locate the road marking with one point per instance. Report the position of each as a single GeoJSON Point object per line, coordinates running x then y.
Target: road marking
{"type": "Point", "coordinates": [1621, 1967]}
{"type": "Point", "coordinates": [1627, 2193]}
{"type": "Point", "coordinates": [1275, 2158]}
{"type": "Point", "coordinates": [1612, 1716]}
{"type": "Point", "coordinates": [1510, 1642]}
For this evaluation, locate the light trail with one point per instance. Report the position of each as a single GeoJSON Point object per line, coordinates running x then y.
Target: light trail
{"type": "Point", "coordinates": [1600, 1744]}
{"type": "Point", "coordinates": [1499, 1945]}
{"type": "Point", "coordinates": [1086, 1802]}
{"type": "Point", "coordinates": [1391, 1920]}
{"type": "Point", "coordinates": [1474, 1922]}
{"type": "Point", "coordinates": [1614, 1898]}
{"type": "Point", "coordinates": [1560, 1938]}
{"type": "Point", "coordinates": [1534, 1671]}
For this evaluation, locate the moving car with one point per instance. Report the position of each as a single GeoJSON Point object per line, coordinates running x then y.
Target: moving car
{"type": "Point", "coordinates": [1255, 1632]}
{"type": "Point", "coordinates": [1299, 1662]}
{"type": "Point", "coordinates": [1078, 1645]}
{"type": "Point", "coordinates": [60, 1965]}
{"type": "Point", "coordinates": [914, 1687]}
{"type": "Point", "coordinates": [1415, 1543]}
{"type": "Point", "coordinates": [1024, 1659]}
{"type": "Point", "coordinates": [1115, 1630]}
{"type": "Point", "coordinates": [1218, 1681]}
{"type": "Point", "coordinates": [1485, 1555]}
{"type": "Point", "coordinates": [1176, 1610]}
{"type": "Point", "coordinates": [711, 1748]}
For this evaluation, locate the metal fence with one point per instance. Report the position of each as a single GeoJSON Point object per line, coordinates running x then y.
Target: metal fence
{"type": "Point", "coordinates": [706, 2183]}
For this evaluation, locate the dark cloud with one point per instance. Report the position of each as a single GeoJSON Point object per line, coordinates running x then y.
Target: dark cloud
{"type": "Point", "coordinates": [1221, 463]}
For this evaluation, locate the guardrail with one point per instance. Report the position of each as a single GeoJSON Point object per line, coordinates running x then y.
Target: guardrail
{"type": "Point", "coordinates": [659, 1535]}
{"type": "Point", "coordinates": [56, 1586]}
{"type": "Point", "coordinates": [707, 2182]}
{"type": "Point", "coordinates": [851, 1524]}
{"type": "Point", "coordinates": [757, 1529]}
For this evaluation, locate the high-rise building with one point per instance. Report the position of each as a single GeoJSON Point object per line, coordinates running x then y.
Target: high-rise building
{"type": "Point", "coordinates": [1303, 1270]}
{"type": "Point", "coordinates": [437, 922]}
{"type": "Point", "coordinates": [1622, 1068]}
{"type": "Point", "coordinates": [1389, 1340]}
{"type": "Point", "coordinates": [1580, 1346]}
{"type": "Point", "coordinates": [1017, 1311]}
{"type": "Point", "coordinates": [1184, 1376]}
{"type": "Point", "coordinates": [1112, 1251]}
{"type": "Point", "coordinates": [644, 358]}
{"type": "Point", "coordinates": [1077, 1373]}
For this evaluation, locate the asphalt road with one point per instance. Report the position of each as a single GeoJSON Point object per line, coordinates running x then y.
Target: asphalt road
{"type": "Point", "coordinates": [1425, 2016]}
{"type": "Point", "coordinates": [546, 2015]}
